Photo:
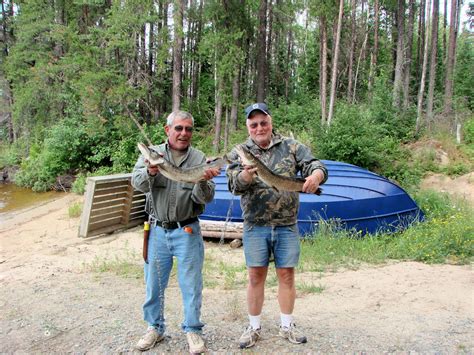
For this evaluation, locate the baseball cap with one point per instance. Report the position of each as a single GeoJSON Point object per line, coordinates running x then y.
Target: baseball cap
{"type": "Point", "coordinates": [259, 106]}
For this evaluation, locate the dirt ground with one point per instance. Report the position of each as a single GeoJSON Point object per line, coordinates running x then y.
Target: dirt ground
{"type": "Point", "coordinates": [50, 300]}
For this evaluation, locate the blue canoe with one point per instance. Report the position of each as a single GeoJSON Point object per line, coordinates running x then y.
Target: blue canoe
{"type": "Point", "coordinates": [354, 198]}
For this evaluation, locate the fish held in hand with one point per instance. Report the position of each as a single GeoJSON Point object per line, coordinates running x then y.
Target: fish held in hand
{"type": "Point", "coordinates": [192, 174]}
{"type": "Point", "coordinates": [278, 182]}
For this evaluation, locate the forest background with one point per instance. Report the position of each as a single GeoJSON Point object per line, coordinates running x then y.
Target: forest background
{"type": "Point", "coordinates": [360, 81]}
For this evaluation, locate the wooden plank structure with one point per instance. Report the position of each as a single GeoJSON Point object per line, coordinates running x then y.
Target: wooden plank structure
{"type": "Point", "coordinates": [111, 203]}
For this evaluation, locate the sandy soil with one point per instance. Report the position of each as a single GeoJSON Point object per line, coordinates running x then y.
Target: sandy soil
{"type": "Point", "coordinates": [50, 300]}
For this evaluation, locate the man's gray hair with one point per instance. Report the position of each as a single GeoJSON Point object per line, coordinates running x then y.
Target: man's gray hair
{"type": "Point", "coordinates": [178, 114]}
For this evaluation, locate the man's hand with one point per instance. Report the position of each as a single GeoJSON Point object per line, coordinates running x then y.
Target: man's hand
{"type": "Point", "coordinates": [211, 173]}
{"type": "Point", "coordinates": [248, 174]}
{"type": "Point", "coordinates": [312, 182]}
{"type": "Point", "coordinates": [152, 169]}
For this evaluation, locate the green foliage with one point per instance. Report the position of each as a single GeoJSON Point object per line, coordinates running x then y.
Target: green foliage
{"type": "Point", "coordinates": [331, 248]}
{"type": "Point", "coordinates": [75, 210]}
{"type": "Point", "coordinates": [10, 154]}
{"type": "Point", "coordinates": [79, 185]}
{"type": "Point", "coordinates": [446, 235]}
{"type": "Point", "coordinates": [464, 75]}
{"type": "Point", "coordinates": [69, 146]}
{"type": "Point", "coordinates": [393, 122]}
{"type": "Point", "coordinates": [76, 81]}
{"type": "Point", "coordinates": [127, 266]}
{"type": "Point", "coordinates": [302, 115]}
{"type": "Point", "coordinates": [309, 288]}
{"type": "Point", "coordinates": [353, 137]}
{"type": "Point", "coordinates": [469, 131]}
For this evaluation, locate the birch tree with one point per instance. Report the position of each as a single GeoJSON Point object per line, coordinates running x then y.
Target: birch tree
{"type": "Point", "coordinates": [334, 63]}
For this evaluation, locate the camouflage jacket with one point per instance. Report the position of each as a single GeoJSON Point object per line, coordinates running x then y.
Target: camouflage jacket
{"type": "Point", "coordinates": [261, 204]}
{"type": "Point", "coordinates": [173, 201]}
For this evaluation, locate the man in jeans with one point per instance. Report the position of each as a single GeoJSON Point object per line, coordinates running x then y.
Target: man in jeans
{"type": "Point", "coordinates": [270, 218]}
{"type": "Point", "coordinates": [175, 232]}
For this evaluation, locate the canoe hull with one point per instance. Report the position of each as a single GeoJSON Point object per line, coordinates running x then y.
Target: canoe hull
{"type": "Point", "coordinates": [352, 198]}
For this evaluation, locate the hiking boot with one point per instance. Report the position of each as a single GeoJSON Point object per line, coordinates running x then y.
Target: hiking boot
{"type": "Point", "coordinates": [249, 337]}
{"type": "Point", "coordinates": [292, 334]}
{"type": "Point", "coordinates": [196, 343]}
{"type": "Point", "coordinates": [149, 340]}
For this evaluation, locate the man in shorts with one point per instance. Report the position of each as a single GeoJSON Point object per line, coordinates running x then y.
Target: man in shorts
{"type": "Point", "coordinates": [270, 217]}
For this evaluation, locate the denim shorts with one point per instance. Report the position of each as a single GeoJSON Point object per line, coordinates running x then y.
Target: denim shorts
{"type": "Point", "coordinates": [263, 242]}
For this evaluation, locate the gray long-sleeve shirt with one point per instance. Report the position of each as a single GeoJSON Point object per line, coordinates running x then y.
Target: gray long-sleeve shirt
{"type": "Point", "coordinates": [172, 201]}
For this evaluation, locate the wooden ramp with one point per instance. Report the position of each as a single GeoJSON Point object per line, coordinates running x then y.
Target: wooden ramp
{"type": "Point", "coordinates": [111, 203]}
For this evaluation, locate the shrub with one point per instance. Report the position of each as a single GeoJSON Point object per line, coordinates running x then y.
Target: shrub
{"type": "Point", "coordinates": [62, 151]}
{"type": "Point", "coordinates": [353, 138]}
{"type": "Point", "coordinates": [469, 131]}
{"type": "Point", "coordinates": [75, 210]}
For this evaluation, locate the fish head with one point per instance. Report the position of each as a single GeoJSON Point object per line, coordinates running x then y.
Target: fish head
{"type": "Point", "coordinates": [245, 155]}
{"type": "Point", "coordinates": [153, 157]}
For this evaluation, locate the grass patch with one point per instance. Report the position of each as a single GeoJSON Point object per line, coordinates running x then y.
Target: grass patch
{"type": "Point", "coordinates": [446, 236]}
{"type": "Point", "coordinates": [309, 288]}
{"type": "Point", "coordinates": [217, 273]}
{"type": "Point", "coordinates": [75, 210]}
{"type": "Point", "coordinates": [127, 266]}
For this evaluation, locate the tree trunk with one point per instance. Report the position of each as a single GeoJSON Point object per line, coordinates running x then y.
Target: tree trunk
{"type": "Point", "coordinates": [445, 27]}
{"type": "Point", "coordinates": [351, 50]}
{"type": "Point", "coordinates": [262, 51]}
{"type": "Point", "coordinates": [409, 55]}
{"type": "Point", "coordinates": [177, 53]}
{"type": "Point", "coordinates": [269, 45]}
{"type": "Point", "coordinates": [226, 130]}
{"type": "Point", "coordinates": [424, 67]}
{"type": "Point", "coordinates": [218, 117]}
{"type": "Point", "coordinates": [288, 65]}
{"type": "Point", "coordinates": [235, 99]}
{"type": "Point", "coordinates": [433, 62]}
{"type": "Point", "coordinates": [421, 39]}
{"type": "Point", "coordinates": [359, 60]}
{"type": "Point", "coordinates": [324, 76]}
{"type": "Point", "coordinates": [397, 83]}
{"type": "Point", "coordinates": [449, 80]}
{"type": "Point", "coordinates": [187, 46]}
{"type": "Point", "coordinates": [373, 54]}
{"type": "Point", "coordinates": [197, 61]}
{"type": "Point", "coordinates": [334, 63]}
{"type": "Point", "coordinates": [60, 20]}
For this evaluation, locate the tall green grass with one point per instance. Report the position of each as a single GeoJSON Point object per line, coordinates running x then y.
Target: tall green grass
{"type": "Point", "coordinates": [446, 236]}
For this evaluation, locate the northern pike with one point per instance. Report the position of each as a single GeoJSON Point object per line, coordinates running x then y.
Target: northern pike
{"type": "Point", "coordinates": [192, 174]}
{"type": "Point", "coordinates": [278, 182]}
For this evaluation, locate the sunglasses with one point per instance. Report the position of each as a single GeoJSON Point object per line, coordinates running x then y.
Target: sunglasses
{"type": "Point", "coordinates": [180, 129]}
{"type": "Point", "coordinates": [263, 124]}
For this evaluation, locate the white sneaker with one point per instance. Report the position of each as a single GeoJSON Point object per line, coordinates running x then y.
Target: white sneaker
{"type": "Point", "coordinates": [149, 340]}
{"type": "Point", "coordinates": [249, 337]}
{"type": "Point", "coordinates": [196, 343]}
{"type": "Point", "coordinates": [292, 334]}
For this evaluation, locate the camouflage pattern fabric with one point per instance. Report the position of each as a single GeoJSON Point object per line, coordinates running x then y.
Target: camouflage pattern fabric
{"type": "Point", "coordinates": [261, 204]}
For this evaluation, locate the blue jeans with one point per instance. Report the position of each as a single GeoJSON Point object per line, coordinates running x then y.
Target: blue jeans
{"type": "Point", "coordinates": [188, 249]}
{"type": "Point", "coordinates": [260, 242]}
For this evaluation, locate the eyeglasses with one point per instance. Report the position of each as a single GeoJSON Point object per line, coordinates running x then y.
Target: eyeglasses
{"type": "Point", "coordinates": [180, 129]}
{"type": "Point", "coordinates": [263, 124]}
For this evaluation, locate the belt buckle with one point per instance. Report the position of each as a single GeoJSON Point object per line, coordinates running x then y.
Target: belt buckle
{"type": "Point", "coordinates": [167, 225]}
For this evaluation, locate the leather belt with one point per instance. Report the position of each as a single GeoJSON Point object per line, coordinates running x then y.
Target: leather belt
{"type": "Point", "coordinates": [172, 225]}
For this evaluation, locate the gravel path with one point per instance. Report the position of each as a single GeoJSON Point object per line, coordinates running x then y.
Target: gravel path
{"type": "Point", "coordinates": [51, 301]}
